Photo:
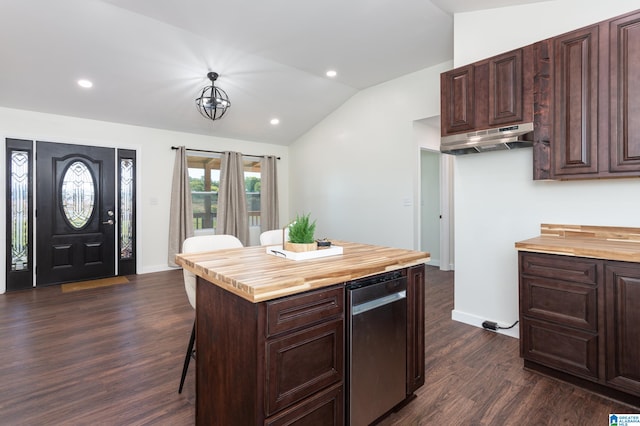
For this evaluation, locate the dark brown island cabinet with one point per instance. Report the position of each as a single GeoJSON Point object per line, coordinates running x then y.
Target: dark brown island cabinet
{"type": "Point", "coordinates": [268, 360]}
{"type": "Point", "coordinates": [580, 316]}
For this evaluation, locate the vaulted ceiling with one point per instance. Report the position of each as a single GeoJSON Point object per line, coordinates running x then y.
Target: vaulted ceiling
{"type": "Point", "coordinates": [148, 59]}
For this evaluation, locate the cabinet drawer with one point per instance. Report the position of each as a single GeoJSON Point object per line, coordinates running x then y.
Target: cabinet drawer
{"type": "Point", "coordinates": [559, 301]}
{"type": "Point", "coordinates": [294, 312]}
{"type": "Point", "coordinates": [326, 408]}
{"type": "Point", "coordinates": [303, 363]}
{"type": "Point", "coordinates": [575, 269]}
{"type": "Point", "coordinates": [563, 348]}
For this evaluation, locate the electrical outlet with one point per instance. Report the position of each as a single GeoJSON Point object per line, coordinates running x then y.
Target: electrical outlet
{"type": "Point", "coordinates": [490, 325]}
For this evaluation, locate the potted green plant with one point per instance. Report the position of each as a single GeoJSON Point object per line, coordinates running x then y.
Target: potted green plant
{"type": "Point", "coordinates": [301, 234]}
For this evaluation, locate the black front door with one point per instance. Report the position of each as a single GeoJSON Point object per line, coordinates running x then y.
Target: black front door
{"type": "Point", "coordinates": [75, 213]}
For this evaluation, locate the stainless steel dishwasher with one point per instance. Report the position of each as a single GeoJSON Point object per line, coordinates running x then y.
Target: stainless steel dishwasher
{"type": "Point", "coordinates": [377, 346]}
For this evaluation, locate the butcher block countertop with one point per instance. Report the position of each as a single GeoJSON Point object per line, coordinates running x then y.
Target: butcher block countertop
{"type": "Point", "coordinates": [599, 242]}
{"type": "Point", "coordinates": [254, 275]}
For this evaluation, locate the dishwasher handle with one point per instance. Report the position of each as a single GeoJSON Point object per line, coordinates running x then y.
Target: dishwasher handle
{"type": "Point", "coordinates": [376, 303]}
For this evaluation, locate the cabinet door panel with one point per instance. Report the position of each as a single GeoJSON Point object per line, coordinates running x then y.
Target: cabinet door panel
{"type": "Point", "coordinates": [625, 93]}
{"type": "Point", "coordinates": [457, 100]}
{"type": "Point", "coordinates": [562, 302]}
{"type": "Point", "coordinates": [301, 310]}
{"type": "Point", "coordinates": [415, 328]}
{"type": "Point", "coordinates": [505, 88]}
{"type": "Point", "coordinates": [622, 288]}
{"type": "Point", "coordinates": [576, 102]}
{"type": "Point", "coordinates": [326, 408]}
{"type": "Point", "coordinates": [563, 348]}
{"type": "Point", "coordinates": [302, 363]}
{"type": "Point", "coordinates": [574, 269]}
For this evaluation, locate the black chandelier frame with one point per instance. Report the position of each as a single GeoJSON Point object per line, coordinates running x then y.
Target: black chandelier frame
{"type": "Point", "coordinates": [213, 102]}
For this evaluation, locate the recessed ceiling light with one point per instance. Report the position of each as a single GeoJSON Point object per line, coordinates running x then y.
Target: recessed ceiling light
{"type": "Point", "coordinates": [275, 121]}
{"type": "Point", "coordinates": [331, 73]}
{"type": "Point", "coordinates": [85, 83]}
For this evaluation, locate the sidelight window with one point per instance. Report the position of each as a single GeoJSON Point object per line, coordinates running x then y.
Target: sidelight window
{"type": "Point", "coordinates": [126, 208]}
{"type": "Point", "coordinates": [19, 214]}
{"type": "Point", "coordinates": [127, 211]}
{"type": "Point", "coordinates": [19, 210]}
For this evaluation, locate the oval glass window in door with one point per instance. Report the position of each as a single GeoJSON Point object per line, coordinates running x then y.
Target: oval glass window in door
{"type": "Point", "coordinates": [78, 194]}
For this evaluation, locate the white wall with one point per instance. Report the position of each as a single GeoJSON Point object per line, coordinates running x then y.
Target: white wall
{"type": "Point", "coordinates": [357, 172]}
{"type": "Point", "coordinates": [497, 202]}
{"type": "Point", "coordinates": [155, 164]}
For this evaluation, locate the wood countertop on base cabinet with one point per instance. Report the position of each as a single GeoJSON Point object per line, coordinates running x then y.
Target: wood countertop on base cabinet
{"type": "Point", "coordinates": [281, 360]}
{"type": "Point", "coordinates": [580, 316]}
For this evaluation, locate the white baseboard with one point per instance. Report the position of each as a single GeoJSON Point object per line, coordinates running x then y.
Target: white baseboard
{"type": "Point", "coordinates": [156, 268]}
{"type": "Point", "coordinates": [448, 267]}
{"type": "Point", "coordinates": [477, 321]}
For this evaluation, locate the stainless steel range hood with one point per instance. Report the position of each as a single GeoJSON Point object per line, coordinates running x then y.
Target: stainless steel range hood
{"type": "Point", "coordinates": [497, 139]}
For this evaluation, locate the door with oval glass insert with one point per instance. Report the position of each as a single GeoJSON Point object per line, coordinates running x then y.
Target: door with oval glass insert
{"type": "Point", "coordinates": [75, 217]}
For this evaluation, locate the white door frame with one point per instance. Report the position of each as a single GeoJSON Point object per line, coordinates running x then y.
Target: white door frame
{"type": "Point", "coordinates": [427, 138]}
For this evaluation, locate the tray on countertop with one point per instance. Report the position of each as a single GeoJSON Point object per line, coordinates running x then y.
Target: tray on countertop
{"type": "Point", "coordinates": [304, 255]}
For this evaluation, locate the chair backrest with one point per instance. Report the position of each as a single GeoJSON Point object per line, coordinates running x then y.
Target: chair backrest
{"type": "Point", "coordinates": [273, 237]}
{"type": "Point", "coordinates": [204, 243]}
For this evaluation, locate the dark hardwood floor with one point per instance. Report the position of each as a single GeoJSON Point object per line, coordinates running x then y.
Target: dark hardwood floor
{"type": "Point", "coordinates": [113, 356]}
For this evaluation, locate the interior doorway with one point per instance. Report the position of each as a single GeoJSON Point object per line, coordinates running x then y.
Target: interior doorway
{"type": "Point", "coordinates": [430, 214]}
{"type": "Point", "coordinates": [435, 216]}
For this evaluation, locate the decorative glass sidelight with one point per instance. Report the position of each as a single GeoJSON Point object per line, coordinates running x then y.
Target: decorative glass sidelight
{"type": "Point", "coordinates": [78, 194]}
{"type": "Point", "coordinates": [126, 208]}
{"type": "Point", "coordinates": [19, 210]}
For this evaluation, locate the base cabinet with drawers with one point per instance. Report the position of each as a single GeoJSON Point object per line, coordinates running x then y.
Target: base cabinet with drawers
{"type": "Point", "coordinates": [580, 317]}
{"type": "Point", "coordinates": [282, 361]}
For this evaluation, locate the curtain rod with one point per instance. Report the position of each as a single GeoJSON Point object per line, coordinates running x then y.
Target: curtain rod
{"type": "Point", "coordinates": [220, 152]}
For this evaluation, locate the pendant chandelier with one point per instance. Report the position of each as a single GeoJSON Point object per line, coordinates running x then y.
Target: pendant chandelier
{"type": "Point", "coordinates": [213, 102]}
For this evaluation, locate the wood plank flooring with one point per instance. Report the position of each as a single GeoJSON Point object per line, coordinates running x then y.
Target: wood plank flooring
{"type": "Point", "coordinates": [113, 356]}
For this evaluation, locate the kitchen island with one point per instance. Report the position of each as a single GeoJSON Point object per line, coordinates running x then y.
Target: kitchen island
{"type": "Point", "coordinates": [271, 334]}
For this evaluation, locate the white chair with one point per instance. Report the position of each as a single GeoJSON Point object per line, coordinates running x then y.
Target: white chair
{"type": "Point", "coordinates": [273, 237]}
{"type": "Point", "coordinates": [192, 245]}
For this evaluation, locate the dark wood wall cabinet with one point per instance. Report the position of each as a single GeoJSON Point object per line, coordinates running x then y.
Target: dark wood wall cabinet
{"type": "Point", "coordinates": [282, 361]}
{"type": "Point", "coordinates": [490, 93]}
{"type": "Point", "coordinates": [587, 85]}
{"type": "Point", "coordinates": [580, 321]}
{"type": "Point", "coordinates": [580, 89]}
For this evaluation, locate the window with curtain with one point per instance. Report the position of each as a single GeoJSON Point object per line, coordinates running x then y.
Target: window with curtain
{"type": "Point", "coordinates": [204, 178]}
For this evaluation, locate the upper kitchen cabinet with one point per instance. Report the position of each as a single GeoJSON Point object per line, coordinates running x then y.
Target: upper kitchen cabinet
{"type": "Point", "coordinates": [493, 92]}
{"type": "Point", "coordinates": [624, 83]}
{"type": "Point", "coordinates": [587, 91]}
{"type": "Point", "coordinates": [508, 88]}
{"type": "Point", "coordinates": [457, 100]}
{"type": "Point", "coordinates": [575, 74]}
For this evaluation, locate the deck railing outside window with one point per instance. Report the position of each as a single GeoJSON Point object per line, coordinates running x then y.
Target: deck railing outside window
{"type": "Point", "coordinates": [205, 209]}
